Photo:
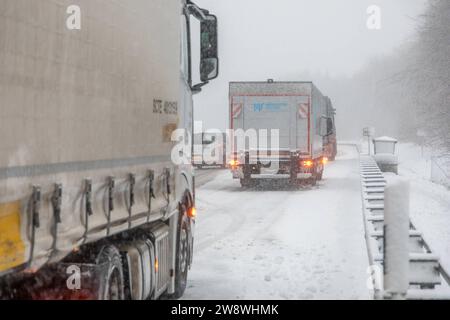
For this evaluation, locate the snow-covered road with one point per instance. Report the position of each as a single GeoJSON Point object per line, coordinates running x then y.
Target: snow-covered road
{"type": "Point", "coordinates": [281, 244]}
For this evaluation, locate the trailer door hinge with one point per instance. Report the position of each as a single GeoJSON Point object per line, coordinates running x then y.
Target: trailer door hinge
{"type": "Point", "coordinates": [57, 202]}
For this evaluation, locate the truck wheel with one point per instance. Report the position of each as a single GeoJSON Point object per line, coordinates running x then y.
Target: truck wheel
{"type": "Point", "coordinates": [320, 176]}
{"type": "Point", "coordinates": [313, 181]}
{"type": "Point", "coordinates": [334, 154]}
{"type": "Point", "coordinates": [295, 182]}
{"type": "Point", "coordinates": [113, 287]}
{"type": "Point", "coordinates": [182, 260]}
{"type": "Point", "coordinates": [245, 183]}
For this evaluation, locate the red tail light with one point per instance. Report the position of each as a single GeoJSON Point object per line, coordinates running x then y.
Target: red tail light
{"type": "Point", "coordinates": [307, 163]}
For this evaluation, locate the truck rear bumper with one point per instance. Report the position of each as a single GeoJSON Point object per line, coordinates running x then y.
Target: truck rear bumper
{"type": "Point", "coordinates": [270, 176]}
{"type": "Point", "coordinates": [280, 176]}
{"type": "Point", "coordinates": [304, 175]}
{"type": "Point", "coordinates": [238, 173]}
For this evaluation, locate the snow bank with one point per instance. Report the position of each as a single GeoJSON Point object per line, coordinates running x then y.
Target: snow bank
{"type": "Point", "coordinates": [430, 202]}
{"type": "Point", "coordinates": [440, 169]}
{"type": "Point", "coordinates": [385, 139]}
{"type": "Point", "coordinates": [412, 163]}
{"type": "Point", "coordinates": [396, 236]}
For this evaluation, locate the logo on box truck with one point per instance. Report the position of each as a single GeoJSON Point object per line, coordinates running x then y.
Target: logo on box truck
{"type": "Point", "coordinates": [273, 107]}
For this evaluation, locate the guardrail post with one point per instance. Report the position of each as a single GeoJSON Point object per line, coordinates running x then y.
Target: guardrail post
{"type": "Point", "coordinates": [396, 238]}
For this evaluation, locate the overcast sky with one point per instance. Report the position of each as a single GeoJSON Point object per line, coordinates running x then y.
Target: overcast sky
{"type": "Point", "coordinates": [261, 39]}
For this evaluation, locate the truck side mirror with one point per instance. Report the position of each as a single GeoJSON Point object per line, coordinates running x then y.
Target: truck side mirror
{"type": "Point", "coordinates": [330, 127]}
{"type": "Point", "coordinates": [326, 126]}
{"type": "Point", "coordinates": [323, 126]}
{"type": "Point", "coordinates": [209, 58]}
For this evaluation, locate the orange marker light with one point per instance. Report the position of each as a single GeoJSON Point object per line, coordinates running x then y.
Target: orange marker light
{"type": "Point", "coordinates": [324, 160]}
{"type": "Point", "coordinates": [234, 163]}
{"type": "Point", "coordinates": [192, 212]}
{"type": "Point", "coordinates": [156, 265]}
{"type": "Point", "coordinates": [307, 163]}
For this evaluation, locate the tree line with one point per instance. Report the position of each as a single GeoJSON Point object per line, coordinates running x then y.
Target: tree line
{"type": "Point", "coordinates": [407, 93]}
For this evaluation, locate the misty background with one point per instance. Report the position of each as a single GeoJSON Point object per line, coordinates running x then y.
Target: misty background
{"type": "Point", "coordinates": [395, 79]}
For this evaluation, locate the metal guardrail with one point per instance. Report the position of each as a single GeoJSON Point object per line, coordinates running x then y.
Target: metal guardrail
{"type": "Point", "coordinates": [426, 272]}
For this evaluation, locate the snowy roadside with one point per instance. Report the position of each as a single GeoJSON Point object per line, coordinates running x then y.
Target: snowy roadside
{"type": "Point", "coordinates": [430, 202]}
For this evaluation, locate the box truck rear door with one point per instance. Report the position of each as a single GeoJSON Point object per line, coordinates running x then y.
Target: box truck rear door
{"type": "Point", "coordinates": [270, 113]}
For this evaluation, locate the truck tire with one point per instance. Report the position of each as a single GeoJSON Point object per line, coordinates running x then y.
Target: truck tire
{"type": "Point", "coordinates": [313, 180]}
{"type": "Point", "coordinates": [245, 183]}
{"type": "Point", "coordinates": [320, 175]}
{"type": "Point", "coordinates": [182, 255]}
{"type": "Point", "coordinates": [334, 154]}
{"type": "Point", "coordinates": [113, 286]}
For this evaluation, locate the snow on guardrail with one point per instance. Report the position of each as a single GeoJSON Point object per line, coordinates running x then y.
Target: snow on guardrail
{"type": "Point", "coordinates": [427, 278]}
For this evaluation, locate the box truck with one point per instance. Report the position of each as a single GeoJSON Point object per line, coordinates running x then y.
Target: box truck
{"type": "Point", "coordinates": [210, 150]}
{"type": "Point", "coordinates": [91, 204]}
{"type": "Point", "coordinates": [296, 112]}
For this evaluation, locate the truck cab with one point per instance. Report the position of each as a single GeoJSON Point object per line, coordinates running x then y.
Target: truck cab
{"type": "Point", "coordinates": [330, 141]}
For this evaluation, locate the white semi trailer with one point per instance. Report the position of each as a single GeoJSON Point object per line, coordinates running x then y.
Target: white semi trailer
{"type": "Point", "coordinates": [91, 204]}
{"type": "Point", "coordinates": [297, 111]}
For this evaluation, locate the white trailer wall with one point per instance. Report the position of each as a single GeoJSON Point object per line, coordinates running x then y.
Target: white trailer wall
{"type": "Point", "coordinates": [75, 104]}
